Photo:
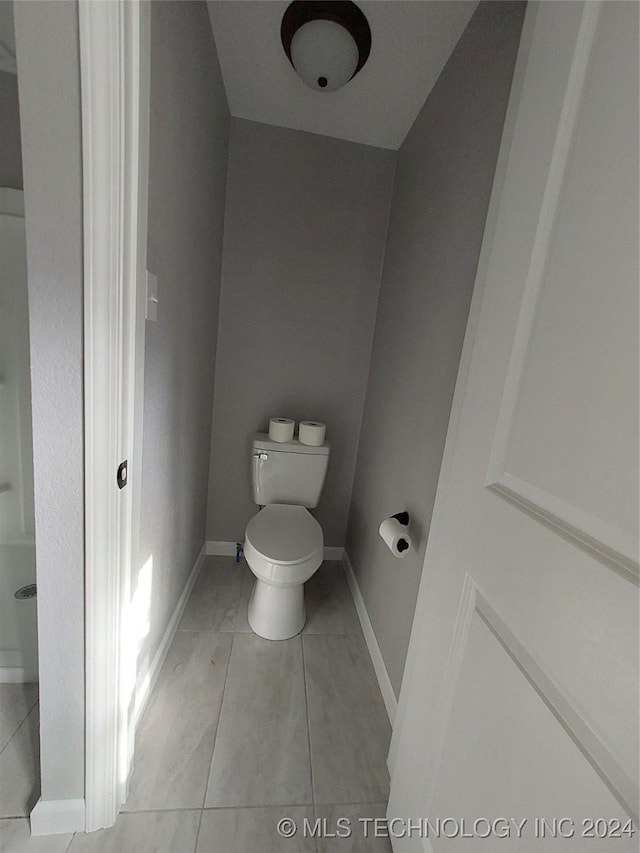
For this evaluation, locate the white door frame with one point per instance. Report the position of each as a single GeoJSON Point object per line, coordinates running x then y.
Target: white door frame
{"type": "Point", "coordinates": [114, 60]}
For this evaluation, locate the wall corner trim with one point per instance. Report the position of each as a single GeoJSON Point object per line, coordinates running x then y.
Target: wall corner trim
{"type": "Point", "coordinates": [57, 817]}
{"type": "Point", "coordinates": [384, 682]}
{"type": "Point", "coordinates": [218, 548]}
{"type": "Point", "coordinates": [144, 690]}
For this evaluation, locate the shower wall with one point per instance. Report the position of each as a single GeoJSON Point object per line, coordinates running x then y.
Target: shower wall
{"type": "Point", "coordinates": [10, 147]}
{"type": "Point", "coordinates": [18, 634]}
{"type": "Point", "coordinates": [18, 656]}
{"type": "Point", "coordinates": [18, 619]}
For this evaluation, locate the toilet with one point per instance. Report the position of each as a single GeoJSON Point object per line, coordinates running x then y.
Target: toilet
{"type": "Point", "coordinates": [283, 543]}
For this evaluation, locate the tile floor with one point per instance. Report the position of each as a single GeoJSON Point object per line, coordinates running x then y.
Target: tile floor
{"type": "Point", "coordinates": [240, 732]}
{"type": "Point", "coordinates": [19, 750]}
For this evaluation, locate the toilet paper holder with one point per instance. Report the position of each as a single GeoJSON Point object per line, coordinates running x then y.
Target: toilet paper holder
{"type": "Point", "coordinates": [394, 532]}
{"type": "Point", "coordinates": [403, 519]}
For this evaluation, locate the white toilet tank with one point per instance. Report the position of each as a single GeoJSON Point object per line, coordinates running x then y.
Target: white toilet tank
{"type": "Point", "coordinates": [287, 472]}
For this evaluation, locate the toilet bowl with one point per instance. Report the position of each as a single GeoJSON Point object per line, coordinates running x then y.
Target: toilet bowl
{"type": "Point", "coordinates": [283, 547]}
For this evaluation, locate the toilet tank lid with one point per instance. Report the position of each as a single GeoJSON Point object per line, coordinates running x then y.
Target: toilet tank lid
{"type": "Point", "coordinates": [261, 441]}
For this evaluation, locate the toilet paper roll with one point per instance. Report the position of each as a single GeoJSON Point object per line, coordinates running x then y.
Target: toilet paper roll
{"type": "Point", "coordinates": [396, 537]}
{"type": "Point", "coordinates": [281, 429]}
{"type": "Point", "coordinates": [311, 433]}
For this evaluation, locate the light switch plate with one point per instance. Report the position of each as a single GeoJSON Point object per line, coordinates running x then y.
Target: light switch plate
{"type": "Point", "coordinates": [152, 297]}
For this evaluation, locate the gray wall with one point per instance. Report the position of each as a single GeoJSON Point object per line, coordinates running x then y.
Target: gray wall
{"type": "Point", "coordinates": [10, 145]}
{"type": "Point", "coordinates": [49, 81]}
{"type": "Point", "coordinates": [442, 188]}
{"type": "Point", "coordinates": [305, 225]}
{"type": "Point", "coordinates": [189, 126]}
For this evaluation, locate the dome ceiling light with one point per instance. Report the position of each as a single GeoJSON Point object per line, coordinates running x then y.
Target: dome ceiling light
{"type": "Point", "coordinates": [326, 41]}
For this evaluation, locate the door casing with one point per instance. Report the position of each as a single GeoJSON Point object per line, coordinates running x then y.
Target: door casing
{"type": "Point", "coordinates": [115, 58]}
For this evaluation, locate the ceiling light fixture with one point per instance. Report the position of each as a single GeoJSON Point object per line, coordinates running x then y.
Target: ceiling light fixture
{"type": "Point", "coordinates": [326, 41]}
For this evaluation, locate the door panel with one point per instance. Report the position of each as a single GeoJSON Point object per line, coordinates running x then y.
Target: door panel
{"type": "Point", "coordinates": [520, 696]}
{"type": "Point", "coordinates": [502, 766]}
{"type": "Point", "coordinates": [567, 419]}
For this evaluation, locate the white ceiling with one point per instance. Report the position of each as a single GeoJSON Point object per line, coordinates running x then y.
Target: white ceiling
{"type": "Point", "coordinates": [411, 42]}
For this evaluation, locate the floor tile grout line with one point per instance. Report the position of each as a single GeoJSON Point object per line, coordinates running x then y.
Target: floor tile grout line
{"type": "Point", "coordinates": [373, 802]}
{"type": "Point", "coordinates": [227, 808]}
{"type": "Point", "coordinates": [331, 634]}
{"type": "Point", "coordinates": [304, 633]}
{"type": "Point", "coordinates": [235, 631]}
{"type": "Point", "coordinates": [15, 731]}
{"type": "Point", "coordinates": [18, 729]}
{"type": "Point", "coordinates": [195, 848]}
{"type": "Point", "coordinates": [152, 698]}
{"type": "Point", "coordinates": [306, 706]}
{"type": "Point", "coordinates": [215, 736]}
{"type": "Point", "coordinates": [382, 801]}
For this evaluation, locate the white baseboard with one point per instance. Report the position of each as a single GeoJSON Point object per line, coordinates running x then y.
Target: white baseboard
{"type": "Point", "coordinates": [144, 690]}
{"type": "Point", "coordinates": [55, 817]}
{"type": "Point", "coordinates": [333, 552]}
{"type": "Point", "coordinates": [389, 697]}
{"type": "Point", "coordinates": [221, 549]}
{"type": "Point", "coordinates": [228, 549]}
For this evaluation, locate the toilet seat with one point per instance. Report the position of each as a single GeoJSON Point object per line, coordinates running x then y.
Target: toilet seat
{"type": "Point", "coordinates": [284, 534]}
{"type": "Point", "coordinates": [283, 547]}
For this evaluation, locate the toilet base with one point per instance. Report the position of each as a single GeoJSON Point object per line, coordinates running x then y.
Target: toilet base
{"type": "Point", "coordinates": [276, 612]}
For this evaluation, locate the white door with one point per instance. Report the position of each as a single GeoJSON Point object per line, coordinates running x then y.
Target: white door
{"type": "Point", "coordinates": [520, 696]}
